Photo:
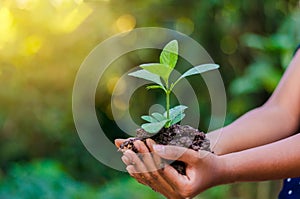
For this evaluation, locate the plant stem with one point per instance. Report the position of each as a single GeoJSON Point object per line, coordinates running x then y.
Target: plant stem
{"type": "Point", "coordinates": [168, 103]}
{"type": "Point", "coordinates": [168, 91]}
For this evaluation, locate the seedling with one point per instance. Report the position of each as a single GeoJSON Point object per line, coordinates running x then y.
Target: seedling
{"type": "Point", "coordinates": [173, 134]}
{"type": "Point", "coordinates": [159, 74]}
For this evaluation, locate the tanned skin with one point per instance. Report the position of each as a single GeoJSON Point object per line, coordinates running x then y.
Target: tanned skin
{"type": "Point", "coordinates": [260, 145]}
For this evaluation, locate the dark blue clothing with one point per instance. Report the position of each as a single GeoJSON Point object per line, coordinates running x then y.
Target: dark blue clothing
{"type": "Point", "coordinates": [291, 186]}
{"type": "Point", "coordinates": [291, 189]}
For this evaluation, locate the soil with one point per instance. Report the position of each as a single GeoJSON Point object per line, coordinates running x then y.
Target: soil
{"type": "Point", "coordinates": [177, 135]}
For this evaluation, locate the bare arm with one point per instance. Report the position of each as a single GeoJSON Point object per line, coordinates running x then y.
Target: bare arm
{"type": "Point", "coordinates": [250, 144]}
{"type": "Point", "coordinates": [277, 160]}
{"type": "Point", "coordinates": [278, 118]}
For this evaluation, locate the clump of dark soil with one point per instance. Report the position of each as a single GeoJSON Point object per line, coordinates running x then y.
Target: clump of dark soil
{"type": "Point", "coordinates": [177, 135]}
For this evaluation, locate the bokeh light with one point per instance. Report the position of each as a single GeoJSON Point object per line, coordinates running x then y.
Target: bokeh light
{"type": "Point", "coordinates": [44, 42]}
{"type": "Point", "coordinates": [184, 25]}
{"type": "Point", "coordinates": [125, 23]}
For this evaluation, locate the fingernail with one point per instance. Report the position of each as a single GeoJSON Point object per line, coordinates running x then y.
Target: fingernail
{"type": "Point", "coordinates": [159, 148]}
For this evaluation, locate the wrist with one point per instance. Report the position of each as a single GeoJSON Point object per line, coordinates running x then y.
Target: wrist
{"type": "Point", "coordinates": [215, 144]}
{"type": "Point", "coordinates": [228, 173]}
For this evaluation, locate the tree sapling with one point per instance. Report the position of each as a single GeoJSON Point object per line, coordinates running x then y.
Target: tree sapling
{"type": "Point", "coordinates": [163, 127]}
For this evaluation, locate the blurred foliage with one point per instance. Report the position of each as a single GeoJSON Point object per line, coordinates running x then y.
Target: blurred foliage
{"type": "Point", "coordinates": [47, 179]}
{"type": "Point", "coordinates": [43, 43]}
{"type": "Point", "coordinates": [271, 54]}
{"type": "Point", "coordinates": [42, 179]}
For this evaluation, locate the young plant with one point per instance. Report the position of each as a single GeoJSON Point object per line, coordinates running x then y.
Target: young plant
{"type": "Point", "coordinates": [159, 74]}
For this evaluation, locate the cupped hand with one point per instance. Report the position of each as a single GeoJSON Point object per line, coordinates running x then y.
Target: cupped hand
{"type": "Point", "coordinates": [203, 169]}
{"type": "Point", "coordinates": [147, 168]}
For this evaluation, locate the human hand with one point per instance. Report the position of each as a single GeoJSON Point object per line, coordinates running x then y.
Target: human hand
{"type": "Point", "coordinates": [149, 173]}
{"type": "Point", "coordinates": [203, 169]}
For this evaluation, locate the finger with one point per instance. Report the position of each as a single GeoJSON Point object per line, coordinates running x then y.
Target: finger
{"type": "Point", "coordinates": [133, 173]}
{"type": "Point", "coordinates": [153, 178]}
{"type": "Point", "coordinates": [156, 158]}
{"type": "Point", "coordinates": [126, 160]}
{"type": "Point", "coordinates": [162, 186]}
{"type": "Point", "coordinates": [131, 170]}
{"type": "Point", "coordinates": [157, 180]}
{"type": "Point", "coordinates": [176, 180]}
{"type": "Point", "coordinates": [136, 161]}
{"type": "Point", "coordinates": [118, 142]}
{"type": "Point", "coordinates": [176, 153]}
{"type": "Point", "coordinates": [146, 156]}
{"type": "Point", "coordinates": [149, 162]}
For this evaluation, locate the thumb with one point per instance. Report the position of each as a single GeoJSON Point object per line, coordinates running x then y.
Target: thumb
{"type": "Point", "coordinates": [118, 142]}
{"type": "Point", "coordinates": [176, 153]}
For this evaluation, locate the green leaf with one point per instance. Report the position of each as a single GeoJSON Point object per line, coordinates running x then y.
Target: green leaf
{"type": "Point", "coordinates": [154, 127]}
{"type": "Point", "coordinates": [149, 118]}
{"type": "Point", "coordinates": [196, 70]}
{"type": "Point", "coordinates": [154, 87]}
{"type": "Point", "coordinates": [158, 116]}
{"type": "Point", "coordinates": [199, 69]}
{"type": "Point", "coordinates": [169, 55]}
{"type": "Point", "coordinates": [161, 70]}
{"type": "Point", "coordinates": [177, 119]}
{"type": "Point", "coordinates": [143, 74]}
{"type": "Point", "coordinates": [177, 110]}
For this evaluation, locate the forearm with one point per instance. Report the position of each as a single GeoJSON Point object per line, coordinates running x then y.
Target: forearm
{"type": "Point", "coordinates": [273, 161]}
{"type": "Point", "coordinates": [277, 119]}
{"type": "Point", "coordinates": [257, 127]}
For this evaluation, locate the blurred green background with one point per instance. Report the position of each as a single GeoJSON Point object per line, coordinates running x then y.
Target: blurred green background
{"type": "Point", "coordinates": [43, 43]}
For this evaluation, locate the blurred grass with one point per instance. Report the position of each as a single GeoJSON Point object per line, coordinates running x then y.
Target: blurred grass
{"type": "Point", "coordinates": [43, 43]}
